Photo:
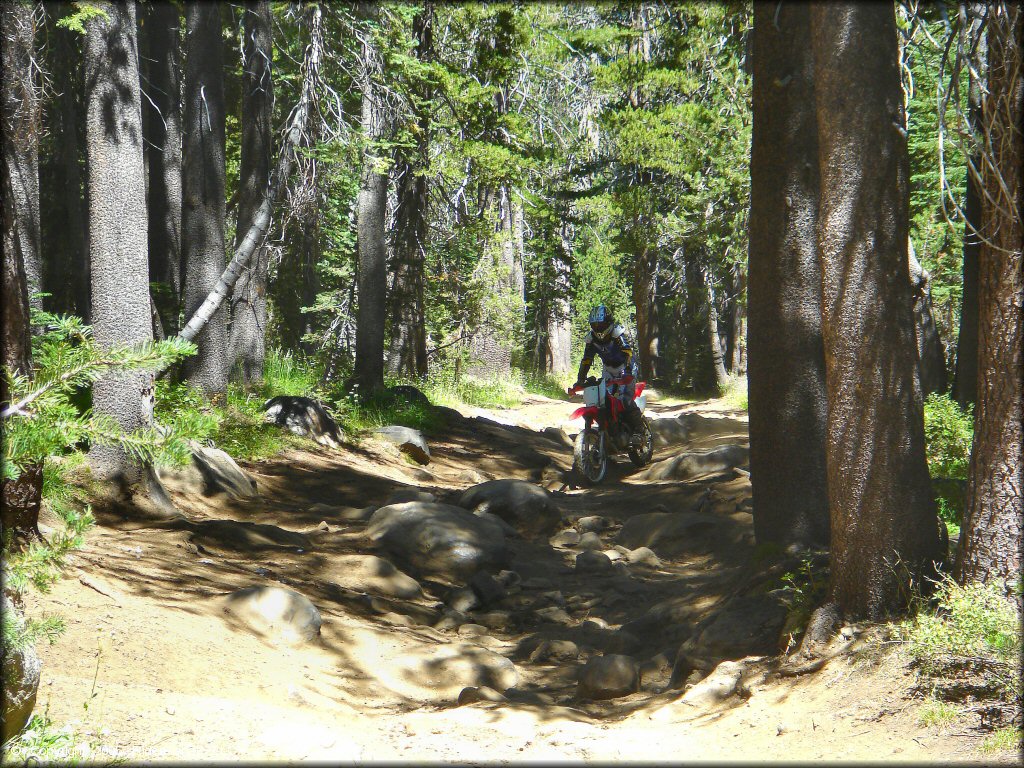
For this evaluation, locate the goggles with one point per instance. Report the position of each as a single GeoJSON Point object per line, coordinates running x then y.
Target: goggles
{"type": "Point", "coordinates": [601, 328]}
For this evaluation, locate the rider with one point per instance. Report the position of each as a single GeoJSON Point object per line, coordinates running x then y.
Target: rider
{"type": "Point", "coordinates": [610, 341]}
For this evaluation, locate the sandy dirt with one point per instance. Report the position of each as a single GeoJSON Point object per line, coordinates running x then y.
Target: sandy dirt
{"type": "Point", "coordinates": [150, 668]}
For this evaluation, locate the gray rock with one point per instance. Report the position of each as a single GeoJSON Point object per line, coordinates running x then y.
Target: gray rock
{"type": "Point", "coordinates": [554, 614]}
{"type": "Point", "coordinates": [592, 523]}
{"type": "Point", "coordinates": [608, 677]}
{"type": "Point", "coordinates": [593, 562]}
{"type": "Point", "coordinates": [451, 619]}
{"type": "Point", "coordinates": [475, 666]}
{"type": "Point", "coordinates": [277, 614]}
{"type": "Point", "coordinates": [746, 626]}
{"type": "Point", "coordinates": [508, 529]}
{"type": "Point", "coordinates": [559, 436]}
{"type": "Point", "coordinates": [220, 472]}
{"type": "Point", "coordinates": [613, 554]}
{"type": "Point", "coordinates": [409, 441]}
{"type": "Point", "coordinates": [487, 588]}
{"type": "Point", "coordinates": [590, 540]}
{"type": "Point", "coordinates": [21, 672]}
{"type": "Point", "coordinates": [471, 630]}
{"type": "Point", "coordinates": [643, 556]}
{"type": "Point", "coordinates": [566, 538]}
{"type": "Point", "coordinates": [686, 466]}
{"type": "Point", "coordinates": [723, 682]}
{"type": "Point", "coordinates": [403, 495]}
{"type": "Point", "coordinates": [537, 582]}
{"type": "Point", "coordinates": [669, 533]}
{"type": "Point", "coordinates": [526, 507]}
{"type": "Point", "coordinates": [555, 650]}
{"type": "Point", "coordinates": [509, 579]}
{"type": "Point", "coordinates": [595, 622]}
{"type": "Point", "coordinates": [495, 619]}
{"type": "Point", "coordinates": [438, 540]}
{"type": "Point", "coordinates": [474, 694]}
{"type": "Point", "coordinates": [404, 394]}
{"type": "Point", "coordinates": [303, 416]}
{"type": "Point", "coordinates": [371, 574]}
{"type": "Point", "coordinates": [463, 599]}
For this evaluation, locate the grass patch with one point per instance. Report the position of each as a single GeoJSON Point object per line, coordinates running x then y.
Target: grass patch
{"type": "Point", "coordinates": [735, 394]}
{"type": "Point", "coordinates": [937, 713]}
{"type": "Point", "coordinates": [1004, 739]}
{"type": "Point", "coordinates": [43, 743]}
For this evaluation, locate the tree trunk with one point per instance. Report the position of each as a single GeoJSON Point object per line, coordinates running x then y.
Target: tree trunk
{"type": "Point", "coordinates": [884, 530]}
{"type": "Point", "coordinates": [408, 351]}
{"type": "Point", "coordinates": [203, 207]}
{"type": "Point", "coordinates": [117, 222]}
{"type": "Point", "coordinates": [162, 111]}
{"type": "Point", "coordinates": [991, 534]}
{"type": "Point", "coordinates": [644, 294]}
{"type": "Point", "coordinates": [931, 359]}
{"type": "Point", "coordinates": [700, 353]}
{"type": "Point", "coordinates": [371, 210]}
{"type": "Point", "coordinates": [558, 336]}
{"type": "Point", "coordinates": [787, 400]}
{"type": "Point", "coordinates": [714, 341]}
{"type": "Point", "coordinates": [249, 297]}
{"type": "Point", "coordinates": [19, 177]}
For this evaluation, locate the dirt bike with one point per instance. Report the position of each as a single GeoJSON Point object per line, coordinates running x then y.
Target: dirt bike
{"type": "Point", "coordinates": [605, 433]}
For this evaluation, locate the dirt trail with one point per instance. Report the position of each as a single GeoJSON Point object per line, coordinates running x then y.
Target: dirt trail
{"type": "Point", "coordinates": [149, 666]}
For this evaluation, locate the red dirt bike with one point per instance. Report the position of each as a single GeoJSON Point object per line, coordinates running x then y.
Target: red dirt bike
{"type": "Point", "coordinates": [605, 433]}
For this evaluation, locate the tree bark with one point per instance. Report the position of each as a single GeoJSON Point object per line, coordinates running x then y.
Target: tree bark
{"type": "Point", "coordinates": [700, 353]}
{"type": "Point", "coordinates": [249, 296]}
{"type": "Point", "coordinates": [714, 340]}
{"type": "Point", "coordinates": [644, 295]}
{"type": "Point", "coordinates": [408, 350]}
{"type": "Point", "coordinates": [117, 222]}
{"type": "Point", "coordinates": [558, 336]}
{"type": "Point", "coordinates": [19, 191]}
{"type": "Point", "coordinates": [884, 529]}
{"type": "Point", "coordinates": [162, 111]}
{"type": "Point", "coordinates": [931, 359]}
{"type": "Point", "coordinates": [203, 209]}
{"type": "Point", "coordinates": [368, 373]}
{"type": "Point", "coordinates": [991, 533]}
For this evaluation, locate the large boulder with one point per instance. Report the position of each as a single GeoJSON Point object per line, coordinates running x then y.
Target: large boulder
{"type": "Point", "coordinates": [278, 615]}
{"type": "Point", "coordinates": [686, 466]}
{"type": "Point", "coordinates": [409, 441]}
{"type": "Point", "coordinates": [668, 533]}
{"type": "Point", "coordinates": [608, 677]}
{"type": "Point", "coordinates": [444, 542]}
{"type": "Point", "coordinates": [370, 574]}
{"type": "Point", "coordinates": [221, 473]}
{"type": "Point", "coordinates": [526, 507]}
{"type": "Point", "coordinates": [745, 626]}
{"type": "Point", "coordinates": [723, 682]}
{"type": "Point", "coordinates": [303, 416]}
{"type": "Point", "coordinates": [21, 668]}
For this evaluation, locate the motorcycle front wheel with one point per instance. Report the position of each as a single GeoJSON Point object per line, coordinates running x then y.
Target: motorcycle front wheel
{"type": "Point", "coordinates": [642, 456]}
{"type": "Point", "coordinates": [590, 458]}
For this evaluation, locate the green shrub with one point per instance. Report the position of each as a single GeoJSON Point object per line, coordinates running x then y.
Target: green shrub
{"type": "Point", "coordinates": [736, 392]}
{"type": "Point", "coordinates": [948, 432]}
{"type": "Point", "coordinates": [1005, 739]}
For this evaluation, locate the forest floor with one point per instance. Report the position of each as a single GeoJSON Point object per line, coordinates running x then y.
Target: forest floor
{"type": "Point", "coordinates": [148, 668]}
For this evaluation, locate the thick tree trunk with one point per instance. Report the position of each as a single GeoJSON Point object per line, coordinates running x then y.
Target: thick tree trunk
{"type": "Point", "coordinates": [558, 336]}
{"type": "Point", "coordinates": [786, 395]}
{"type": "Point", "coordinates": [931, 358]}
{"type": "Point", "coordinates": [714, 340]}
{"type": "Point", "coordinates": [408, 350]}
{"type": "Point", "coordinates": [249, 297]}
{"type": "Point", "coordinates": [117, 218]}
{"type": "Point", "coordinates": [644, 295]}
{"type": "Point", "coordinates": [162, 111]}
{"type": "Point", "coordinates": [371, 210]}
{"type": "Point", "coordinates": [991, 534]}
{"type": "Point", "coordinates": [203, 209]}
{"type": "Point", "coordinates": [22, 126]}
{"type": "Point", "coordinates": [19, 196]}
{"type": "Point", "coordinates": [700, 347]}
{"type": "Point", "coordinates": [884, 530]}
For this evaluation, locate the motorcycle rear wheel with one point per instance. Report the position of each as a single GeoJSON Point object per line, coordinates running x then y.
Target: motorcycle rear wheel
{"type": "Point", "coordinates": [642, 456]}
{"type": "Point", "coordinates": [590, 460]}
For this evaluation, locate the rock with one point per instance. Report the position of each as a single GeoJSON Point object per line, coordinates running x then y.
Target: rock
{"type": "Point", "coordinates": [555, 650]}
{"type": "Point", "coordinates": [470, 665]}
{"type": "Point", "coordinates": [303, 416]}
{"type": "Point", "coordinates": [643, 556]}
{"type": "Point", "coordinates": [21, 673]}
{"type": "Point", "coordinates": [558, 435]}
{"type": "Point", "coordinates": [277, 614]}
{"type": "Point", "coordinates": [592, 523]}
{"type": "Point", "coordinates": [554, 596]}
{"type": "Point", "coordinates": [595, 622]}
{"type": "Point", "coordinates": [686, 466]}
{"type": "Point", "coordinates": [473, 694]}
{"type": "Point", "coordinates": [670, 533]}
{"type": "Point", "coordinates": [450, 415]}
{"type": "Point", "coordinates": [526, 507]}
{"type": "Point", "coordinates": [608, 677]}
{"type": "Point", "coordinates": [451, 619]}
{"type": "Point", "coordinates": [409, 441]}
{"type": "Point", "coordinates": [213, 471]}
{"type": "Point", "coordinates": [439, 540]}
{"type": "Point", "coordinates": [471, 630]}
{"type": "Point", "coordinates": [746, 626]}
{"type": "Point", "coordinates": [590, 540]}
{"type": "Point", "coordinates": [463, 599]}
{"type": "Point", "coordinates": [368, 573]}
{"type": "Point", "coordinates": [403, 495]}
{"type": "Point", "coordinates": [566, 538]}
{"type": "Point", "coordinates": [508, 529]}
{"type": "Point", "coordinates": [352, 514]}
{"type": "Point", "coordinates": [404, 393]}
{"type": "Point", "coordinates": [487, 588]}
{"type": "Point", "coordinates": [613, 554]}
{"type": "Point", "coordinates": [509, 579]}
{"type": "Point", "coordinates": [593, 562]}
{"type": "Point", "coordinates": [537, 582]}
{"type": "Point", "coordinates": [495, 620]}
{"type": "Point", "coordinates": [554, 614]}
{"type": "Point", "coordinates": [723, 682]}
{"type": "Point", "coordinates": [472, 476]}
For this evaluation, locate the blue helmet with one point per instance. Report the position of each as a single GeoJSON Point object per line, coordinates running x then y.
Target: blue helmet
{"type": "Point", "coordinates": [601, 321]}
